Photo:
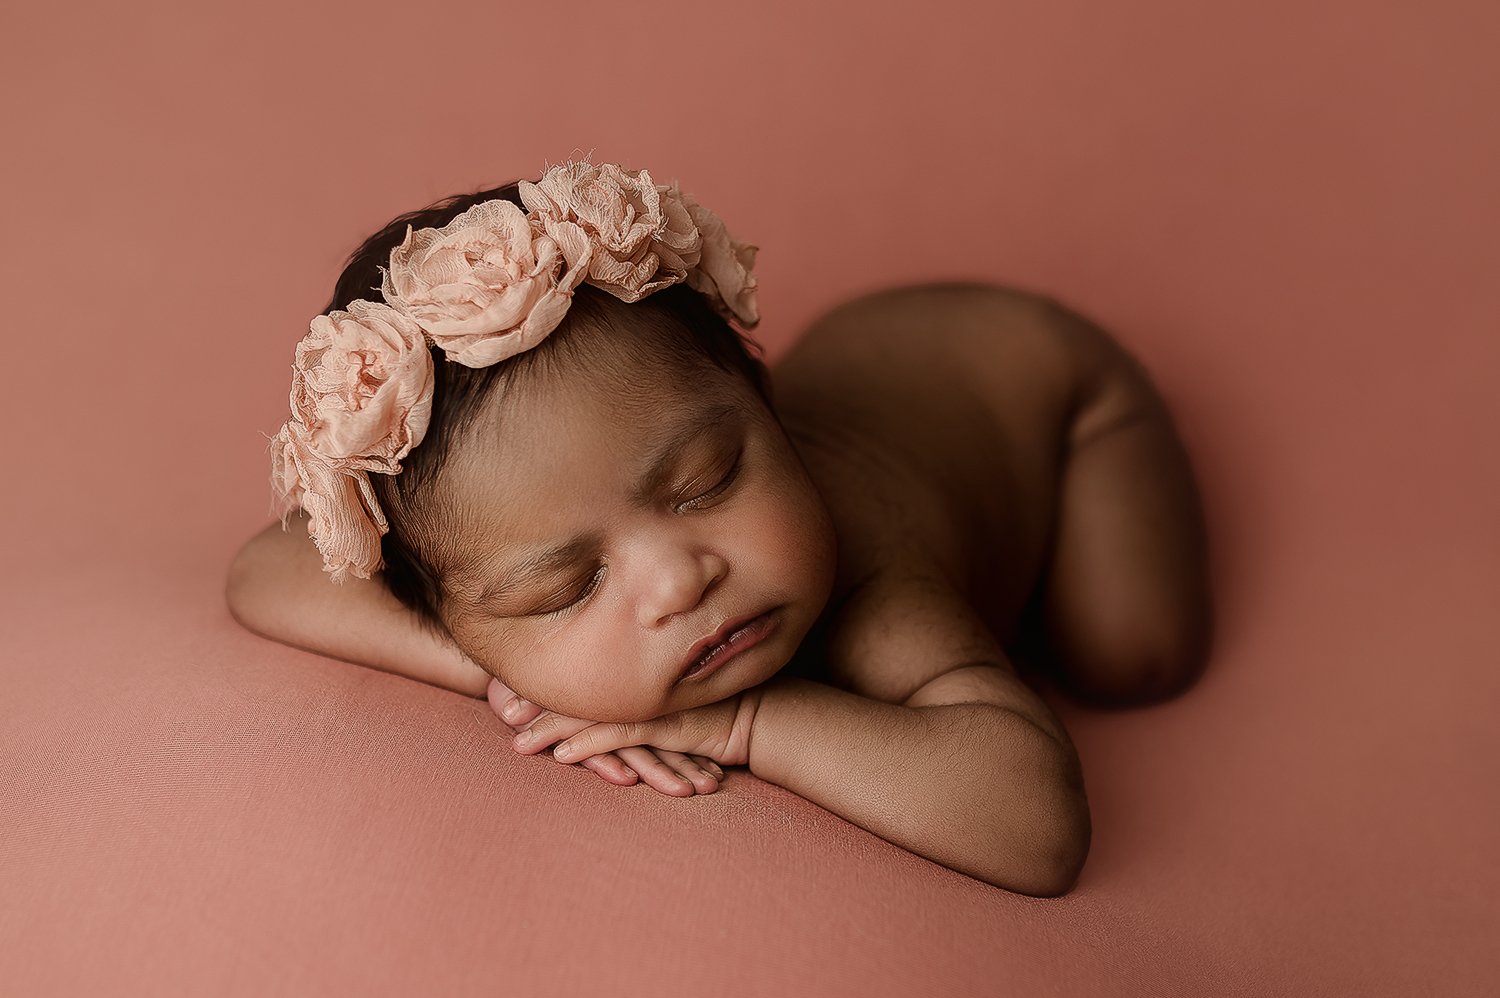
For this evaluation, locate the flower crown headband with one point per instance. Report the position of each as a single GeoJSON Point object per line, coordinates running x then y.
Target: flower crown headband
{"type": "Point", "coordinates": [493, 282]}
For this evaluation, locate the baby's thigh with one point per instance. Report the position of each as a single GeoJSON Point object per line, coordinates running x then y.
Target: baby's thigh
{"type": "Point", "coordinates": [1110, 385]}
{"type": "Point", "coordinates": [1125, 609]}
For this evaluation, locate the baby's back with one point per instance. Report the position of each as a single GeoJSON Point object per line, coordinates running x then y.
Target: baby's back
{"type": "Point", "coordinates": [932, 420]}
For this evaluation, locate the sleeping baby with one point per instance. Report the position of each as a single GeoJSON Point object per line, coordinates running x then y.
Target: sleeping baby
{"type": "Point", "coordinates": [545, 468]}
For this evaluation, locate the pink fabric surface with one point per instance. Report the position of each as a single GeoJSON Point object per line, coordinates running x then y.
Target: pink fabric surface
{"type": "Point", "coordinates": [1287, 212]}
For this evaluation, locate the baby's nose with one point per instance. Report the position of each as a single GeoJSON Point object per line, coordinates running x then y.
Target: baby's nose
{"type": "Point", "coordinates": [679, 587]}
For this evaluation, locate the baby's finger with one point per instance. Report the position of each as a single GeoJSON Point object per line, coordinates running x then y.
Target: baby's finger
{"type": "Point", "coordinates": [497, 693]}
{"type": "Point", "coordinates": [518, 712]}
{"type": "Point", "coordinates": [708, 764]}
{"type": "Point", "coordinates": [509, 706]}
{"type": "Point", "coordinates": [546, 729]}
{"type": "Point", "coordinates": [654, 773]}
{"type": "Point", "coordinates": [702, 780]}
{"type": "Point", "coordinates": [611, 768]}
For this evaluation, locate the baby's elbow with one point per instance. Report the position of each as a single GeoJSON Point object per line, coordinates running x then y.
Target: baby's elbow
{"type": "Point", "coordinates": [238, 586]}
{"type": "Point", "coordinates": [252, 583]}
{"type": "Point", "coordinates": [1055, 871]}
{"type": "Point", "coordinates": [1046, 854]}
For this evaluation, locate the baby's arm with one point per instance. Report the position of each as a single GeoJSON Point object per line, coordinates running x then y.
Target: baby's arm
{"type": "Point", "coordinates": [973, 784]}
{"type": "Point", "coordinates": [278, 589]}
{"type": "Point", "coordinates": [930, 740]}
{"type": "Point", "coordinates": [971, 770]}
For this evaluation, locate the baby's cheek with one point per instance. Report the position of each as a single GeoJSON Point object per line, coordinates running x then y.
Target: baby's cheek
{"type": "Point", "coordinates": [482, 645]}
{"type": "Point", "coordinates": [814, 549]}
{"type": "Point", "coordinates": [798, 527]}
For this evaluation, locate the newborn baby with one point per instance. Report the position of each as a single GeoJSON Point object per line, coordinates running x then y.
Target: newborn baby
{"type": "Point", "coordinates": [658, 558]}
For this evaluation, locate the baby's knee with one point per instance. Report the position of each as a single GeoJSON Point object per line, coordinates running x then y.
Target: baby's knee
{"type": "Point", "coordinates": [1139, 686]}
{"type": "Point", "coordinates": [1143, 671]}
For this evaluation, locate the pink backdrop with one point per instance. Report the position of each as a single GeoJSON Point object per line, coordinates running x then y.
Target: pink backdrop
{"type": "Point", "coordinates": [1288, 211]}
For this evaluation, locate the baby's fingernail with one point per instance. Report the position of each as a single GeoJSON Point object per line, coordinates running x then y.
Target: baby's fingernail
{"type": "Point", "coordinates": [525, 738]}
{"type": "Point", "coordinates": [562, 753]}
{"type": "Point", "coordinates": [512, 709]}
{"type": "Point", "coordinates": [629, 771]}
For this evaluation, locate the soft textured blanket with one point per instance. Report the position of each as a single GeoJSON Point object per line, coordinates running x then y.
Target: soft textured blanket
{"type": "Point", "coordinates": [1286, 211]}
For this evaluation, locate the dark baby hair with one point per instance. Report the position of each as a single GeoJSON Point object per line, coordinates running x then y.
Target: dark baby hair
{"type": "Point", "coordinates": [676, 323]}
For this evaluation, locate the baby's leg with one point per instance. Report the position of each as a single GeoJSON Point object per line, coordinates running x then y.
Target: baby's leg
{"type": "Point", "coordinates": [1122, 611]}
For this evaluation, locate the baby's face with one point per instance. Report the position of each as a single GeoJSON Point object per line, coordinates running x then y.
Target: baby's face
{"type": "Point", "coordinates": [582, 582]}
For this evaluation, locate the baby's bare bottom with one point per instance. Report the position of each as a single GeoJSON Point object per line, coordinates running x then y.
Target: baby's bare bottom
{"type": "Point", "coordinates": [1122, 611]}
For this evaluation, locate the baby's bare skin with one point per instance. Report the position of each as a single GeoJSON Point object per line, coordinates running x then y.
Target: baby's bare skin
{"type": "Point", "coordinates": [998, 453]}
{"type": "Point", "coordinates": [1007, 489]}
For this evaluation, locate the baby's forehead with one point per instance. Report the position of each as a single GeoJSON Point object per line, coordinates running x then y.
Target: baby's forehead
{"type": "Point", "coordinates": [632, 401]}
{"type": "Point", "coordinates": [511, 480]}
{"type": "Point", "coordinates": [633, 389]}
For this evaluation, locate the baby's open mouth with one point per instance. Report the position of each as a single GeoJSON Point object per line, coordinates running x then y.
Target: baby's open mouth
{"type": "Point", "coordinates": [704, 660]}
{"type": "Point", "coordinates": [743, 636]}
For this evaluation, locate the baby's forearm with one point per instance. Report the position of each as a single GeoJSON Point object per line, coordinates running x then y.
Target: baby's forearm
{"type": "Point", "coordinates": [277, 588]}
{"type": "Point", "coordinates": [971, 786]}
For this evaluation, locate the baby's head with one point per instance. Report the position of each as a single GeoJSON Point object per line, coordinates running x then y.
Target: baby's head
{"type": "Point", "coordinates": [578, 516]}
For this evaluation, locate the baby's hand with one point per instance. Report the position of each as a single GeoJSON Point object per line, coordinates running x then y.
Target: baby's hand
{"type": "Point", "coordinates": [671, 773]}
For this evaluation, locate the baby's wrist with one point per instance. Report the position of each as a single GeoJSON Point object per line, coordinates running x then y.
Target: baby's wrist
{"type": "Point", "coordinates": [751, 703]}
{"type": "Point", "coordinates": [742, 727]}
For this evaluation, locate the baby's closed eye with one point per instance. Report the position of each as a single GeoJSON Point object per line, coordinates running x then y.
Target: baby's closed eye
{"type": "Point", "coordinates": [723, 484]}
{"type": "Point", "coordinates": [579, 595]}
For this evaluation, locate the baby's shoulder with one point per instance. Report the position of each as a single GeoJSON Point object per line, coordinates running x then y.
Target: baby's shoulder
{"type": "Point", "coordinates": [893, 632]}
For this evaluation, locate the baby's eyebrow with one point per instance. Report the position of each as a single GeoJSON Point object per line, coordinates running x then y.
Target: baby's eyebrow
{"type": "Point", "coordinates": [659, 462]}
{"type": "Point", "coordinates": [555, 557]}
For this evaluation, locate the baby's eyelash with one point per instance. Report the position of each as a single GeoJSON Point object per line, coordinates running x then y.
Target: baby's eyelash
{"type": "Point", "coordinates": [588, 591]}
{"type": "Point", "coordinates": [724, 482]}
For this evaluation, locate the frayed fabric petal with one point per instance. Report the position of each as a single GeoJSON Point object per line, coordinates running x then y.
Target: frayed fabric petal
{"type": "Point", "coordinates": [723, 273]}
{"type": "Point", "coordinates": [344, 517]}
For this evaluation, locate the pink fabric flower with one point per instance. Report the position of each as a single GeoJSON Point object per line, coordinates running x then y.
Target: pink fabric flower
{"type": "Point", "coordinates": [488, 284]}
{"type": "Point", "coordinates": [344, 517]}
{"type": "Point", "coordinates": [723, 274]}
{"type": "Point", "coordinates": [361, 399]}
{"type": "Point", "coordinates": [362, 386]}
{"type": "Point", "coordinates": [642, 236]}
